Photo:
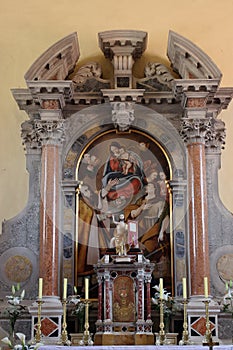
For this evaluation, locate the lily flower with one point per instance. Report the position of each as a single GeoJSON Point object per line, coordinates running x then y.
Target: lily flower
{"type": "Point", "coordinates": [7, 341]}
{"type": "Point", "coordinates": [21, 337]}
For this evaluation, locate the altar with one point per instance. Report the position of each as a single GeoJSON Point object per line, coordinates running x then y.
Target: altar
{"type": "Point", "coordinates": [97, 148]}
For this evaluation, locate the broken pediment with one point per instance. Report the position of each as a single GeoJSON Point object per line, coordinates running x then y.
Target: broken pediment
{"type": "Point", "coordinates": [122, 48]}
{"type": "Point", "coordinates": [56, 72]}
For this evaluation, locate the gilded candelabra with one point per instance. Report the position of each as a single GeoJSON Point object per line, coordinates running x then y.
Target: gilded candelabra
{"type": "Point", "coordinates": [86, 340]}
{"type": "Point", "coordinates": [64, 334]}
{"type": "Point", "coordinates": [208, 340]}
{"type": "Point", "coordinates": [185, 335]}
{"type": "Point", "coordinates": [38, 328]}
{"type": "Point", "coordinates": [162, 339]}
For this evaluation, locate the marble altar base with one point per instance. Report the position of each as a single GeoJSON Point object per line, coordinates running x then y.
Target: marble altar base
{"type": "Point", "coordinates": [124, 338]}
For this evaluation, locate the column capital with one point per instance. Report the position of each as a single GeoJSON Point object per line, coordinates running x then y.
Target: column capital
{"type": "Point", "coordinates": [195, 129]}
{"type": "Point", "coordinates": [50, 132]}
{"type": "Point", "coordinates": [216, 135]}
{"type": "Point", "coordinates": [29, 135]}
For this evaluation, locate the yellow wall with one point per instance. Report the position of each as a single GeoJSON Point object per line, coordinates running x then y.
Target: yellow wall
{"type": "Point", "coordinates": [29, 27]}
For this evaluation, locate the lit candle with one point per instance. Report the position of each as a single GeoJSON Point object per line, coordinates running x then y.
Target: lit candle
{"type": "Point", "coordinates": [161, 288]}
{"type": "Point", "coordinates": [86, 288]}
{"type": "Point", "coordinates": [65, 289]}
{"type": "Point", "coordinates": [40, 288]}
{"type": "Point", "coordinates": [206, 287]}
{"type": "Point", "coordinates": [184, 288]}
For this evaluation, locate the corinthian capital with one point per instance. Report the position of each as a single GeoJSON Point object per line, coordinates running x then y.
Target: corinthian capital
{"type": "Point", "coordinates": [50, 132]}
{"type": "Point", "coordinates": [29, 135]}
{"type": "Point", "coordinates": [195, 130]}
{"type": "Point", "coordinates": [215, 137]}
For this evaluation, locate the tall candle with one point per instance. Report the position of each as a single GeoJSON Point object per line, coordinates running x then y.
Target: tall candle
{"type": "Point", "coordinates": [65, 289]}
{"type": "Point", "coordinates": [40, 288]}
{"type": "Point", "coordinates": [161, 288]}
{"type": "Point", "coordinates": [86, 288]}
{"type": "Point", "coordinates": [206, 287]}
{"type": "Point", "coordinates": [184, 288]}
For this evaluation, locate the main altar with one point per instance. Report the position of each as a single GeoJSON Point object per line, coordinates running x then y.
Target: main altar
{"type": "Point", "coordinates": [147, 148]}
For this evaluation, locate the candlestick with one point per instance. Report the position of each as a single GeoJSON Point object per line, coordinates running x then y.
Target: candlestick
{"type": "Point", "coordinates": [86, 340]}
{"type": "Point", "coordinates": [184, 288]}
{"type": "Point", "coordinates": [64, 335]}
{"type": "Point", "coordinates": [40, 288]}
{"type": "Point", "coordinates": [86, 288]}
{"type": "Point", "coordinates": [38, 328]}
{"type": "Point", "coordinates": [161, 288]}
{"type": "Point", "coordinates": [185, 335]}
{"type": "Point", "coordinates": [162, 338]}
{"type": "Point", "coordinates": [208, 340]}
{"type": "Point", "coordinates": [65, 289]}
{"type": "Point", "coordinates": [206, 287]}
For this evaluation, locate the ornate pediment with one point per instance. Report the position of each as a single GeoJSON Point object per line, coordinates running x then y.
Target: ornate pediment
{"type": "Point", "coordinates": [56, 76]}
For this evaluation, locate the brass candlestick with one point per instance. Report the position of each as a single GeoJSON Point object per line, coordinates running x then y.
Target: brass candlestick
{"type": "Point", "coordinates": [208, 340]}
{"type": "Point", "coordinates": [185, 335]}
{"type": "Point", "coordinates": [86, 334]}
{"type": "Point", "coordinates": [38, 328]}
{"type": "Point", "coordinates": [162, 334]}
{"type": "Point", "coordinates": [64, 334]}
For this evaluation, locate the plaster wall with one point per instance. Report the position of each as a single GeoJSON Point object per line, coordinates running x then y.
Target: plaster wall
{"type": "Point", "coordinates": [28, 28]}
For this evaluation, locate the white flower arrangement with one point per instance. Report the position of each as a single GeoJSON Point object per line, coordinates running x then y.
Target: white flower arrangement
{"type": "Point", "coordinates": [79, 309]}
{"type": "Point", "coordinates": [15, 308]}
{"type": "Point", "coordinates": [168, 300]}
{"type": "Point", "coordinates": [22, 345]}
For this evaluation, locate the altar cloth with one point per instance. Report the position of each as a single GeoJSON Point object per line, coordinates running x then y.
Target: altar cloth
{"type": "Point", "coordinates": [135, 347]}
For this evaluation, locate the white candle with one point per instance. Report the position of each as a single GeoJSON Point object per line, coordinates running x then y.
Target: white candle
{"type": "Point", "coordinates": [65, 289]}
{"type": "Point", "coordinates": [184, 288]}
{"type": "Point", "coordinates": [40, 288]}
{"type": "Point", "coordinates": [206, 287]}
{"type": "Point", "coordinates": [86, 288]}
{"type": "Point", "coordinates": [161, 288]}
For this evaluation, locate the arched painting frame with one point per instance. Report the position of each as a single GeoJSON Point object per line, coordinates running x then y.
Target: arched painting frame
{"type": "Point", "coordinates": [138, 171]}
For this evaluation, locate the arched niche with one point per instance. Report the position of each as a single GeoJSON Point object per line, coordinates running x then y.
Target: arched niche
{"type": "Point", "coordinates": [91, 132]}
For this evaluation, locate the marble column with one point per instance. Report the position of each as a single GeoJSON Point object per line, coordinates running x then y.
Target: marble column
{"type": "Point", "coordinates": [51, 133]}
{"type": "Point", "coordinates": [194, 130]}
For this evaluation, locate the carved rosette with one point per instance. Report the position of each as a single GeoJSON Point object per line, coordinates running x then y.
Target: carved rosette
{"type": "Point", "coordinates": [50, 132]}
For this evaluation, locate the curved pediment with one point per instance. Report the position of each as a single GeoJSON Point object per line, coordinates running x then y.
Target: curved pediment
{"type": "Point", "coordinates": [57, 61]}
{"type": "Point", "coordinates": [189, 60]}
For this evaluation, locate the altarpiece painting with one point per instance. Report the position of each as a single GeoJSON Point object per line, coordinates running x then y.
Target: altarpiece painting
{"type": "Point", "coordinates": [123, 173]}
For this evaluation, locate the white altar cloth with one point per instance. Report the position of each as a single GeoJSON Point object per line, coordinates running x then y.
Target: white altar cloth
{"type": "Point", "coordinates": [133, 347]}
